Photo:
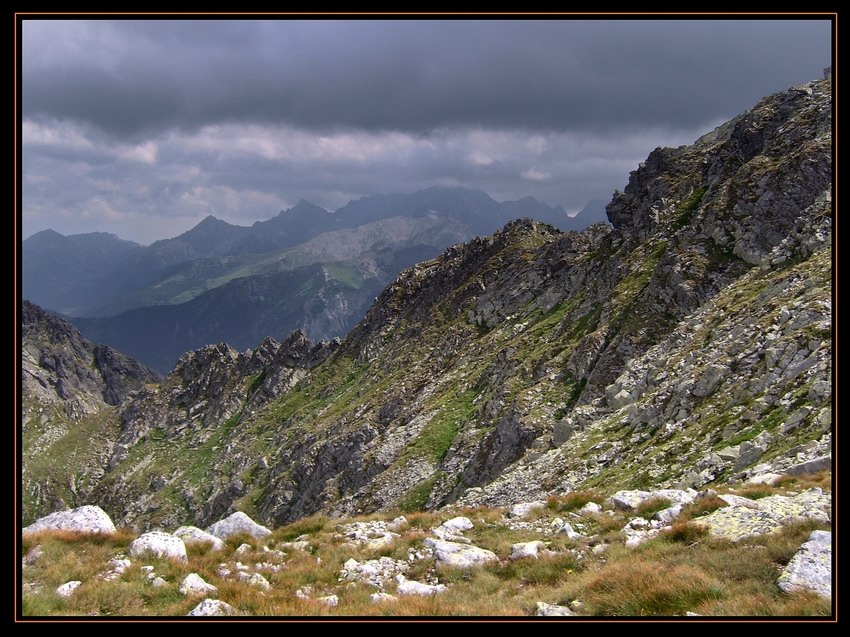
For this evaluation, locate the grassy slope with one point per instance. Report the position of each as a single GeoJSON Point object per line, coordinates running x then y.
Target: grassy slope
{"type": "Point", "coordinates": [677, 572]}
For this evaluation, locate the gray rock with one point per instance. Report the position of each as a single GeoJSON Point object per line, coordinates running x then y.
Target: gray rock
{"type": "Point", "coordinates": [212, 608]}
{"type": "Point", "coordinates": [668, 515]}
{"type": "Point", "coordinates": [194, 584]}
{"type": "Point", "coordinates": [380, 598]}
{"type": "Point", "coordinates": [67, 589]}
{"type": "Point", "coordinates": [522, 509]}
{"type": "Point", "coordinates": [709, 380]}
{"type": "Point", "coordinates": [630, 500]}
{"type": "Point", "coordinates": [410, 587]}
{"type": "Point", "coordinates": [33, 555]}
{"type": "Point", "coordinates": [329, 600]}
{"type": "Point", "coordinates": [526, 549]}
{"type": "Point", "coordinates": [590, 507]}
{"type": "Point", "coordinates": [194, 535]}
{"type": "Point", "coordinates": [811, 567]}
{"type": "Point", "coordinates": [160, 544]}
{"type": "Point", "coordinates": [459, 555]}
{"type": "Point", "coordinates": [85, 519]}
{"type": "Point", "coordinates": [238, 523]}
{"type": "Point", "coordinates": [458, 524]}
{"type": "Point", "coordinates": [158, 581]}
{"type": "Point", "coordinates": [254, 579]}
{"type": "Point", "coordinates": [812, 466]}
{"type": "Point", "coordinates": [552, 610]}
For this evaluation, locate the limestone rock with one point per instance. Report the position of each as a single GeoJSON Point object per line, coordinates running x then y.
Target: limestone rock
{"type": "Point", "coordinates": [158, 581]}
{"type": "Point", "coordinates": [811, 567]}
{"type": "Point", "coordinates": [590, 507]}
{"type": "Point", "coordinates": [630, 500]}
{"type": "Point", "coordinates": [85, 519]}
{"type": "Point", "coordinates": [238, 523]}
{"type": "Point", "coordinates": [254, 579]}
{"type": "Point", "coordinates": [194, 584]}
{"type": "Point", "coordinates": [160, 544]}
{"type": "Point", "coordinates": [329, 600]}
{"type": "Point", "coordinates": [212, 608]}
{"type": "Point", "coordinates": [68, 588]}
{"type": "Point", "coordinates": [522, 509]}
{"type": "Point", "coordinates": [194, 535]}
{"type": "Point", "coordinates": [459, 555]}
{"type": "Point", "coordinates": [526, 549]}
{"type": "Point", "coordinates": [552, 610]}
{"type": "Point", "coordinates": [380, 598]}
{"type": "Point", "coordinates": [410, 587]}
{"type": "Point", "coordinates": [457, 524]}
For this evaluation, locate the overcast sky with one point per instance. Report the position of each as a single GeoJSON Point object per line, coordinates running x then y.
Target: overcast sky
{"type": "Point", "coordinates": [142, 128]}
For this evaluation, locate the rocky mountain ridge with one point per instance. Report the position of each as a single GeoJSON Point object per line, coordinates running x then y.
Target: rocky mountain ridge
{"type": "Point", "coordinates": [687, 345]}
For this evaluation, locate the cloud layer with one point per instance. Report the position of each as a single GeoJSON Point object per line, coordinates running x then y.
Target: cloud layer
{"type": "Point", "coordinates": [144, 127]}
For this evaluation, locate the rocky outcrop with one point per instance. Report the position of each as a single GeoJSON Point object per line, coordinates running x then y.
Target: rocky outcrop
{"type": "Point", "coordinates": [85, 519]}
{"type": "Point", "coordinates": [60, 366]}
{"type": "Point", "coordinates": [811, 567]}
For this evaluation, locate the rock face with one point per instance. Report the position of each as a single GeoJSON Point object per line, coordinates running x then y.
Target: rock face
{"type": "Point", "coordinates": [59, 365]}
{"type": "Point", "coordinates": [811, 567]}
{"type": "Point", "coordinates": [70, 389]}
{"type": "Point", "coordinates": [238, 523]}
{"type": "Point", "coordinates": [85, 519]}
{"type": "Point", "coordinates": [159, 544]}
{"type": "Point", "coordinates": [745, 517]}
{"type": "Point", "coordinates": [688, 342]}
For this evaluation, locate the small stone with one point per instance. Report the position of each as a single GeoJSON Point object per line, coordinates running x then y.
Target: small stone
{"type": "Point", "coordinates": [158, 581]}
{"type": "Point", "coordinates": [380, 598]}
{"type": "Point", "coordinates": [212, 608]}
{"type": "Point", "coordinates": [522, 509]}
{"type": "Point", "coordinates": [552, 610]}
{"type": "Point", "coordinates": [242, 549]}
{"type": "Point", "coordinates": [67, 589]}
{"type": "Point", "coordinates": [254, 579]}
{"type": "Point", "coordinates": [590, 507]}
{"type": "Point", "coordinates": [194, 584]}
{"type": "Point", "coordinates": [526, 549]}
{"type": "Point", "coordinates": [330, 600]}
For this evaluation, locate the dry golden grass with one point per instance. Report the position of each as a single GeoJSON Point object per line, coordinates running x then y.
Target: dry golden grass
{"type": "Point", "coordinates": [683, 569]}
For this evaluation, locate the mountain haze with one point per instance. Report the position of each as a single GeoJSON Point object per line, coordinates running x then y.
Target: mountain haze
{"type": "Point", "coordinates": [146, 300]}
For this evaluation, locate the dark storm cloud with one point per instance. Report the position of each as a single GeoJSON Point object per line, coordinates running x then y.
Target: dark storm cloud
{"type": "Point", "coordinates": [133, 77]}
{"type": "Point", "coordinates": [142, 128]}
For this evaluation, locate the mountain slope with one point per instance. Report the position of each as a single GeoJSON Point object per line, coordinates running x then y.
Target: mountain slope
{"type": "Point", "coordinates": [685, 345]}
{"type": "Point", "coordinates": [70, 389]}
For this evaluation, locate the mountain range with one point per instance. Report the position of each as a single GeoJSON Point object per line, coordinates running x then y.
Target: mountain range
{"type": "Point", "coordinates": [306, 268]}
{"type": "Point", "coordinates": [687, 344]}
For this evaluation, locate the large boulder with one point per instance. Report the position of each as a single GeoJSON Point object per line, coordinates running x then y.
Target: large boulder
{"type": "Point", "coordinates": [85, 519]}
{"type": "Point", "coordinates": [238, 523]}
{"type": "Point", "coordinates": [160, 544]}
{"type": "Point", "coordinates": [194, 535]}
{"type": "Point", "coordinates": [811, 567]}
{"type": "Point", "coordinates": [459, 555]}
{"type": "Point", "coordinates": [745, 517]}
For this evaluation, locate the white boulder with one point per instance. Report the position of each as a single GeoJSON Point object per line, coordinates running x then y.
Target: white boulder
{"type": "Point", "coordinates": [160, 544]}
{"type": "Point", "coordinates": [85, 519]}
